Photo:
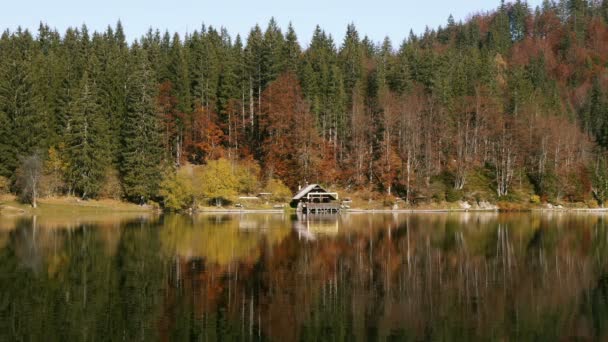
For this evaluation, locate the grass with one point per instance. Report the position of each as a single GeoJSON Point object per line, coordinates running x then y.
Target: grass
{"type": "Point", "coordinates": [67, 205]}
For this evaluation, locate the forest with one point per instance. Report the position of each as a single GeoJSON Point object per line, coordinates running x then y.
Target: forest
{"type": "Point", "coordinates": [508, 105]}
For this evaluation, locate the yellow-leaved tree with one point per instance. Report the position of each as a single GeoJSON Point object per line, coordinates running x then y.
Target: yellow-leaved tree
{"type": "Point", "coordinates": [280, 192]}
{"type": "Point", "coordinates": [216, 181]}
{"type": "Point", "coordinates": [177, 191]}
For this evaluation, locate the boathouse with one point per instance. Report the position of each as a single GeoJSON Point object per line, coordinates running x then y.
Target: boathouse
{"type": "Point", "coordinates": [315, 199]}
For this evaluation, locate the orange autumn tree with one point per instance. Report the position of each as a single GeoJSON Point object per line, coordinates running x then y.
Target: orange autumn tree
{"type": "Point", "coordinates": [206, 136]}
{"type": "Point", "coordinates": [291, 146]}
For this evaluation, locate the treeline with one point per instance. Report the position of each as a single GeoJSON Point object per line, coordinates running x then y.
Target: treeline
{"type": "Point", "coordinates": [506, 99]}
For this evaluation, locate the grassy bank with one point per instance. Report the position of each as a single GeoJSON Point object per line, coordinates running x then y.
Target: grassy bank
{"type": "Point", "coordinates": [9, 205]}
{"type": "Point", "coordinates": [71, 206]}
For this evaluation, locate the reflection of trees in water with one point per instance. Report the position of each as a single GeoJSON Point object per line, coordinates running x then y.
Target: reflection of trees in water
{"type": "Point", "coordinates": [78, 286]}
{"type": "Point", "coordinates": [515, 277]}
{"type": "Point", "coordinates": [412, 276]}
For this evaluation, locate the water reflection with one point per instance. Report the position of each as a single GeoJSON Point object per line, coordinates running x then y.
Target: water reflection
{"type": "Point", "coordinates": [277, 277]}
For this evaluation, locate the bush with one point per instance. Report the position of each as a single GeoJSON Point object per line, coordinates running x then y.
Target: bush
{"type": "Point", "coordinates": [452, 195]}
{"type": "Point", "coordinates": [55, 168]}
{"type": "Point", "coordinates": [112, 187]}
{"type": "Point", "coordinates": [592, 204]}
{"type": "Point", "coordinates": [535, 199]}
{"type": "Point", "coordinates": [280, 192]}
{"type": "Point", "coordinates": [388, 202]}
{"type": "Point", "coordinates": [4, 185]}
{"type": "Point", "coordinates": [247, 174]}
{"type": "Point", "coordinates": [437, 190]}
{"type": "Point", "coordinates": [176, 191]}
{"type": "Point", "coordinates": [216, 180]}
{"type": "Point", "coordinates": [510, 206]}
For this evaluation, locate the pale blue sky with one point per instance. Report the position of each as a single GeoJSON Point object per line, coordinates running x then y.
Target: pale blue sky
{"type": "Point", "coordinates": [376, 18]}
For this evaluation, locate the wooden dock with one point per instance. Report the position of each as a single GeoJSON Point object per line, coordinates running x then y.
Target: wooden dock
{"type": "Point", "coordinates": [321, 208]}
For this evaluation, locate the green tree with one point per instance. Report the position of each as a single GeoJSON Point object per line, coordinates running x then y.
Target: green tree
{"type": "Point", "coordinates": [142, 151]}
{"type": "Point", "coordinates": [22, 125]}
{"type": "Point", "coordinates": [600, 180]}
{"type": "Point", "coordinates": [291, 51]}
{"type": "Point", "coordinates": [87, 140]}
{"type": "Point", "coordinates": [273, 57]}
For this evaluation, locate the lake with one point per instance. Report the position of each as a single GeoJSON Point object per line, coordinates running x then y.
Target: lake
{"type": "Point", "coordinates": [277, 277]}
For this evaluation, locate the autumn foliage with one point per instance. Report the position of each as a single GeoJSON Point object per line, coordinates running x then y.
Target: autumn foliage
{"type": "Point", "coordinates": [508, 104]}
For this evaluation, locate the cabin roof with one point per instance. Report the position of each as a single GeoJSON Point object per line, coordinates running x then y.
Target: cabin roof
{"type": "Point", "coordinates": [310, 188]}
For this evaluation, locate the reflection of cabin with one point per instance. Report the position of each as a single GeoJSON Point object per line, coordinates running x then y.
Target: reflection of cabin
{"type": "Point", "coordinates": [309, 227]}
{"type": "Point", "coordinates": [315, 199]}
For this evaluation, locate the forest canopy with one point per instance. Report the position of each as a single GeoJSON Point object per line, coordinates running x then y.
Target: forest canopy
{"type": "Point", "coordinates": [511, 99]}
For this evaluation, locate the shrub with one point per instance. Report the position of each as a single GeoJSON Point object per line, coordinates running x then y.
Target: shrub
{"type": "Point", "coordinates": [452, 195]}
{"type": "Point", "coordinates": [176, 191]}
{"type": "Point", "coordinates": [510, 206]}
{"type": "Point", "coordinates": [437, 190]}
{"type": "Point", "coordinates": [247, 174]}
{"type": "Point", "coordinates": [112, 187]}
{"type": "Point", "coordinates": [4, 185]}
{"type": "Point", "coordinates": [535, 199]}
{"type": "Point", "coordinates": [388, 202]}
{"type": "Point", "coordinates": [592, 204]}
{"type": "Point", "coordinates": [280, 192]}
{"type": "Point", "coordinates": [216, 181]}
{"type": "Point", "coordinates": [55, 169]}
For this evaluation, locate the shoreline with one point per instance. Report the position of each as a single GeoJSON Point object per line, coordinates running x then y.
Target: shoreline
{"type": "Point", "coordinates": [401, 211]}
{"type": "Point", "coordinates": [10, 206]}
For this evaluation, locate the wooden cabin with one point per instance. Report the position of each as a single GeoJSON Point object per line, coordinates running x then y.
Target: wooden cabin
{"type": "Point", "coordinates": [315, 199]}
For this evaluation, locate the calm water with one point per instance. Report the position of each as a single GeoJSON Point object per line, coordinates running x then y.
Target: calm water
{"type": "Point", "coordinates": [447, 277]}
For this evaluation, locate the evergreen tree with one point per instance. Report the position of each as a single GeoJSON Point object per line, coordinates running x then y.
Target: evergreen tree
{"type": "Point", "coordinates": [518, 14]}
{"type": "Point", "coordinates": [577, 15]}
{"type": "Point", "coordinates": [351, 59]}
{"type": "Point", "coordinates": [87, 138]}
{"type": "Point", "coordinates": [499, 36]}
{"type": "Point", "coordinates": [23, 124]}
{"type": "Point", "coordinates": [111, 81]}
{"type": "Point", "coordinates": [291, 51]}
{"type": "Point", "coordinates": [604, 10]}
{"type": "Point", "coordinates": [254, 72]}
{"type": "Point", "coordinates": [273, 62]}
{"type": "Point", "coordinates": [141, 138]}
{"type": "Point", "coordinates": [179, 74]}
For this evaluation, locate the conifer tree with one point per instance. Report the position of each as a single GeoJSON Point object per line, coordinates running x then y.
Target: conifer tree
{"type": "Point", "coordinates": [87, 138]}
{"type": "Point", "coordinates": [253, 66]}
{"type": "Point", "coordinates": [141, 138]}
{"type": "Point", "coordinates": [291, 51]}
{"type": "Point", "coordinates": [179, 74]}
{"type": "Point", "coordinates": [351, 58]}
{"type": "Point", "coordinates": [273, 57]}
{"type": "Point", "coordinates": [23, 124]}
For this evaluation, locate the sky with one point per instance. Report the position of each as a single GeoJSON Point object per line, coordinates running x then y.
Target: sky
{"type": "Point", "coordinates": [375, 18]}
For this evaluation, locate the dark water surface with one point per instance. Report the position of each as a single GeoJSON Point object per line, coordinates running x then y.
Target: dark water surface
{"type": "Point", "coordinates": [446, 277]}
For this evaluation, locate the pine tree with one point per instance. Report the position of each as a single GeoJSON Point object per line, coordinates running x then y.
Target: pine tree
{"type": "Point", "coordinates": [179, 74]}
{"type": "Point", "coordinates": [518, 14]}
{"type": "Point", "coordinates": [291, 51]}
{"type": "Point", "coordinates": [141, 137]}
{"type": "Point", "coordinates": [23, 126]}
{"type": "Point", "coordinates": [255, 76]}
{"type": "Point", "coordinates": [499, 36]}
{"type": "Point", "coordinates": [273, 62]}
{"type": "Point", "coordinates": [87, 138]}
{"type": "Point", "coordinates": [113, 56]}
{"type": "Point", "coordinates": [228, 79]}
{"type": "Point", "coordinates": [351, 60]}
{"type": "Point", "coordinates": [604, 10]}
{"type": "Point", "coordinates": [577, 14]}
